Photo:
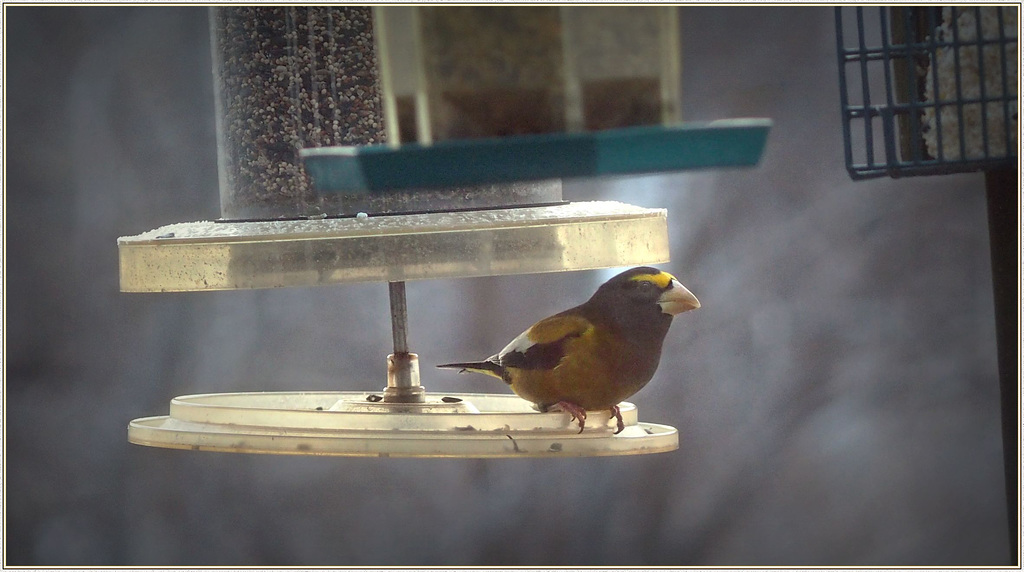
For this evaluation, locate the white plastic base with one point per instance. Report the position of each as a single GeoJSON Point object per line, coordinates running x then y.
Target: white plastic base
{"type": "Point", "coordinates": [354, 424]}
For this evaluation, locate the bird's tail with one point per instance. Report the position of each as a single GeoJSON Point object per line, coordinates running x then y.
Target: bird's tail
{"type": "Point", "coordinates": [486, 367]}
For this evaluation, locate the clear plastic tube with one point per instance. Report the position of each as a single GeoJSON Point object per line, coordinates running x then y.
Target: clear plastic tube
{"type": "Point", "coordinates": [490, 71]}
{"type": "Point", "coordinates": [289, 77]}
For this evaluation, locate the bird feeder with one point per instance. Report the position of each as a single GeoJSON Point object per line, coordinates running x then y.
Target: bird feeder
{"type": "Point", "coordinates": [418, 142]}
{"type": "Point", "coordinates": [932, 90]}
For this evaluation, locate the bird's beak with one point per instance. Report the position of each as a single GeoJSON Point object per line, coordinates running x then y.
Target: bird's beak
{"type": "Point", "coordinates": [677, 299]}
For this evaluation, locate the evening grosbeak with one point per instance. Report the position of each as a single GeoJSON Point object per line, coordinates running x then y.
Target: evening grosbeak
{"type": "Point", "coordinates": [597, 354]}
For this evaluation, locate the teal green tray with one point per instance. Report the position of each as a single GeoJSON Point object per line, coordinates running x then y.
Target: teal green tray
{"type": "Point", "coordinates": [631, 150]}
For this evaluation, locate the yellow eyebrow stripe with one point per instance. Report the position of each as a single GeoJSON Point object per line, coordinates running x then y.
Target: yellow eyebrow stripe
{"type": "Point", "coordinates": [661, 279]}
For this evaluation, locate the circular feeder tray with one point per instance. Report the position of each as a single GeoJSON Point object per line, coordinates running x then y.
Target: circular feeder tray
{"type": "Point", "coordinates": [275, 254]}
{"type": "Point", "coordinates": [360, 424]}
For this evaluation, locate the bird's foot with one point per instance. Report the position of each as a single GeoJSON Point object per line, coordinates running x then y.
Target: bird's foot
{"type": "Point", "coordinates": [577, 412]}
{"type": "Point", "coordinates": [618, 418]}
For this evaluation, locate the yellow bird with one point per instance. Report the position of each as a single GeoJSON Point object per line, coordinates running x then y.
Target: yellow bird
{"type": "Point", "coordinates": [597, 354]}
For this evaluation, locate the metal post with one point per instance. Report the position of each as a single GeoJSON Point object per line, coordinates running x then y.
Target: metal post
{"type": "Point", "coordinates": [403, 366]}
{"type": "Point", "coordinates": [1003, 227]}
{"type": "Point", "coordinates": [399, 317]}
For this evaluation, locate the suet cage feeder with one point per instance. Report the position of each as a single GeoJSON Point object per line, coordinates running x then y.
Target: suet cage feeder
{"type": "Point", "coordinates": [413, 142]}
{"type": "Point", "coordinates": [933, 90]}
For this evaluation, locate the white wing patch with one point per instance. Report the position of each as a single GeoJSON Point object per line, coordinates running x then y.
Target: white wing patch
{"type": "Point", "coordinates": [520, 344]}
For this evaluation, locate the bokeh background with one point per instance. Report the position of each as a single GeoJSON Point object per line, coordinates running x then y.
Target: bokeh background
{"type": "Point", "coordinates": [836, 395]}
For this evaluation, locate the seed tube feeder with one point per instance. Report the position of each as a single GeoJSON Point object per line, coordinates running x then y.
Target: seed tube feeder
{"type": "Point", "coordinates": [360, 144]}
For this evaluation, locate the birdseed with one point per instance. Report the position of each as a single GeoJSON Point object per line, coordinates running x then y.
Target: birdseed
{"type": "Point", "coordinates": [285, 78]}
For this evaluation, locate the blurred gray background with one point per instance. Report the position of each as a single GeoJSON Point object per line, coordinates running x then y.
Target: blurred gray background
{"type": "Point", "coordinates": [836, 395]}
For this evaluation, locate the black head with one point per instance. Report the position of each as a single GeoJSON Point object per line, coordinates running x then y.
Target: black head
{"type": "Point", "coordinates": [642, 297]}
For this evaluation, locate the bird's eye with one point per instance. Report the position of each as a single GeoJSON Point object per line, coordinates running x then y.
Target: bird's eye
{"type": "Point", "coordinates": [639, 285]}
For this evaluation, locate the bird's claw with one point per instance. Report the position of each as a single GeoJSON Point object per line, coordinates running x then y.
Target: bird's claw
{"type": "Point", "coordinates": [577, 412]}
{"type": "Point", "coordinates": [618, 418]}
{"type": "Point", "coordinates": [580, 414]}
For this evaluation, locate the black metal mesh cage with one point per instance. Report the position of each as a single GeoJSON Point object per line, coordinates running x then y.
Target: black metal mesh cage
{"type": "Point", "coordinates": [928, 90]}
